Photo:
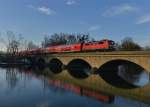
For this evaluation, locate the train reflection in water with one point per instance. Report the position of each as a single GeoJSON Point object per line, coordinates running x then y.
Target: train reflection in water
{"type": "Point", "coordinates": [82, 91]}
{"type": "Point", "coordinates": [100, 96]}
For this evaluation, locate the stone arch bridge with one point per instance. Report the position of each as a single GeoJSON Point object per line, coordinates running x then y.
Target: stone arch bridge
{"type": "Point", "coordinates": [97, 59]}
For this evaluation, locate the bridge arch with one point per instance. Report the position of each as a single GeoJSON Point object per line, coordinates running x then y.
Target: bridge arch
{"type": "Point", "coordinates": [55, 65]}
{"type": "Point", "coordinates": [122, 73]}
{"type": "Point", "coordinates": [79, 68]}
{"type": "Point", "coordinates": [28, 60]}
{"type": "Point", "coordinates": [41, 63]}
{"type": "Point", "coordinates": [134, 60]}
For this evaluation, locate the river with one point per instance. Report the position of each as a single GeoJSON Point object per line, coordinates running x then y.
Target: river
{"type": "Point", "coordinates": [26, 88]}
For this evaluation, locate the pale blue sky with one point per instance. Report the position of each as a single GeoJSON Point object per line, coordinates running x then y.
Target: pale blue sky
{"type": "Point", "coordinates": [113, 19]}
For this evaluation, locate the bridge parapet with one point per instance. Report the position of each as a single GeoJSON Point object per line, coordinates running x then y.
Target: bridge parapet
{"type": "Point", "coordinates": [97, 59]}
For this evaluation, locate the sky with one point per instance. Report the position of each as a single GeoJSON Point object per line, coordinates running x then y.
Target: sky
{"type": "Point", "coordinates": [111, 19]}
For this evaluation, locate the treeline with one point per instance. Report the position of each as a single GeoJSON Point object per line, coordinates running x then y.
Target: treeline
{"type": "Point", "coordinates": [127, 44]}
{"type": "Point", "coordinates": [63, 38]}
{"type": "Point", "coordinates": [15, 42]}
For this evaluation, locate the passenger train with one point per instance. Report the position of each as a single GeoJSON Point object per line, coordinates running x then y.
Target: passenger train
{"type": "Point", "coordinates": [103, 45]}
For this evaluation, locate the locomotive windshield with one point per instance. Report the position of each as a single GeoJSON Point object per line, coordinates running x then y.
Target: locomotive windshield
{"type": "Point", "coordinates": [111, 42]}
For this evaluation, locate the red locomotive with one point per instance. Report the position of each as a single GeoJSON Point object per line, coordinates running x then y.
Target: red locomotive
{"type": "Point", "coordinates": [103, 45]}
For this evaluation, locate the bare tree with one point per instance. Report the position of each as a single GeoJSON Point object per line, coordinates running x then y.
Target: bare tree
{"type": "Point", "coordinates": [31, 45]}
{"type": "Point", "coordinates": [12, 42]}
{"type": "Point", "coordinates": [117, 46]}
{"type": "Point", "coordinates": [23, 45]}
{"type": "Point", "coordinates": [129, 45]}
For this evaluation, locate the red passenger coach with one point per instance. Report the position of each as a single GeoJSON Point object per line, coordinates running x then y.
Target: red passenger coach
{"type": "Point", "coordinates": [52, 49]}
{"type": "Point", "coordinates": [71, 48]}
{"type": "Point", "coordinates": [48, 49]}
{"type": "Point", "coordinates": [63, 48]}
{"type": "Point", "coordinates": [76, 47]}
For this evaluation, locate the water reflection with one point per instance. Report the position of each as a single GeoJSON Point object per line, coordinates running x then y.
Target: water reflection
{"type": "Point", "coordinates": [82, 91]}
{"type": "Point", "coordinates": [128, 103]}
{"type": "Point", "coordinates": [137, 77]}
{"type": "Point", "coordinates": [11, 78]}
{"type": "Point", "coordinates": [124, 74]}
{"type": "Point", "coordinates": [30, 89]}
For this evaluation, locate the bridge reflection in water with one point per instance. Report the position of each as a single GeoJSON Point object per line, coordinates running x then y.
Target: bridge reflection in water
{"type": "Point", "coordinates": [118, 73]}
{"type": "Point", "coordinates": [125, 78]}
{"type": "Point", "coordinates": [14, 76]}
{"type": "Point", "coordinates": [124, 74]}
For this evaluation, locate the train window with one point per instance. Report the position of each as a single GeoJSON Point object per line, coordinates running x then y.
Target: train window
{"type": "Point", "coordinates": [87, 44]}
{"type": "Point", "coordinates": [100, 42]}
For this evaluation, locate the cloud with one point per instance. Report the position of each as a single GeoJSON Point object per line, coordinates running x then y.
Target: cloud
{"type": "Point", "coordinates": [43, 9]}
{"type": "Point", "coordinates": [143, 19]}
{"type": "Point", "coordinates": [70, 2]}
{"type": "Point", "coordinates": [93, 28]}
{"type": "Point", "coordinates": [121, 9]}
